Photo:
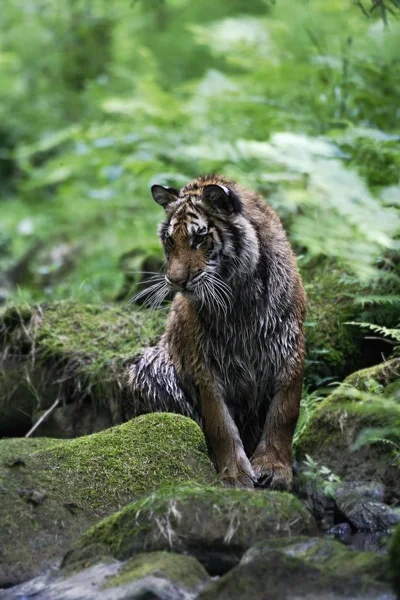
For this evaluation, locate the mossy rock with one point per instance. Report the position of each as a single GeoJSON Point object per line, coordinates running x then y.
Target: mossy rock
{"type": "Point", "coordinates": [52, 490]}
{"type": "Point", "coordinates": [71, 351]}
{"type": "Point", "coordinates": [213, 524]}
{"type": "Point", "coordinates": [163, 575]}
{"type": "Point", "coordinates": [184, 571]}
{"type": "Point", "coordinates": [394, 556]}
{"type": "Point", "coordinates": [337, 421]}
{"type": "Point", "coordinates": [328, 555]}
{"type": "Point", "coordinates": [280, 576]}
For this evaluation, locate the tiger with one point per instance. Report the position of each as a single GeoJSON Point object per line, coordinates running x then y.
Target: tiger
{"type": "Point", "coordinates": [232, 354]}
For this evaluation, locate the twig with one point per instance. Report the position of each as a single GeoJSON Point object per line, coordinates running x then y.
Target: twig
{"type": "Point", "coordinates": [360, 5]}
{"type": "Point", "coordinates": [43, 417]}
{"type": "Point", "coordinates": [372, 337]}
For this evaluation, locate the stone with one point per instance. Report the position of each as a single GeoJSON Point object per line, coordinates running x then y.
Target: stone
{"type": "Point", "coordinates": [362, 506]}
{"type": "Point", "coordinates": [153, 575]}
{"type": "Point", "coordinates": [280, 576]}
{"type": "Point", "coordinates": [213, 524]}
{"type": "Point", "coordinates": [325, 554]}
{"type": "Point", "coordinates": [53, 490]}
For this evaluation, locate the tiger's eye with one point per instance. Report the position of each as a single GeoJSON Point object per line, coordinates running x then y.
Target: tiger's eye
{"type": "Point", "coordinates": [169, 242]}
{"type": "Point", "coordinates": [199, 238]}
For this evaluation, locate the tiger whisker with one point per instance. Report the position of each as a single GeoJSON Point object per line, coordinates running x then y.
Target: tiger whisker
{"type": "Point", "coordinates": [147, 291]}
{"type": "Point", "coordinates": [156, 298]}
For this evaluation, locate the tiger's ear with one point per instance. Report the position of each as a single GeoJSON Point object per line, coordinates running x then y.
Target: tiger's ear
{"type": "Point", "coordinates": [222, 198]}
{"type": "Point", "coordinates": [164, 195]}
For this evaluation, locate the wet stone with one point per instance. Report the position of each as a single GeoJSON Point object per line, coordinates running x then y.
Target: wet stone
{"type": "Point", "coordinates": [155, 576]}
{"type": "Point", "coordinates": [362, 507]}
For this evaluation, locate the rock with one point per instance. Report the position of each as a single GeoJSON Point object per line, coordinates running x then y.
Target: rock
{"type": "Point", "coordinates": [216, 525]}
{"type": "Point", "coordinates": [362, 506]}
{"type": "Point", "coordinates": [155, 575]}
{"type": "Point", "coordinates": [336, 423]}
{"type": "Point", "coordinates": [328, 555]}
{"type": "Point", "coordinates": [53, 490]}
{"type": "Point", "coordinates": [71, 351]}
{"type": "Point", "coordinates": [278, 576]}
{"type": "Point", "coordinates": [373, 490]}
{"type": "Point", "coordinates": [341, 531]}
{"type": "Point", "coordinates": [394, 557]}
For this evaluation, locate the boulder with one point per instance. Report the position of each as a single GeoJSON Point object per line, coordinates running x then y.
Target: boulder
{"type": "Point", "coordinates": [51, 491]}
{"type": "Point", "coordinates": [156, 575]}
{"type": "Point", "coordinates": [331, 432]}
{"type": "Point", "coordinates": [71, 352]}
{"type": "Point", "coordinates": [216, 525]}
{"type": "Point", "coordinates": [277, 575]}
{"type": "Point", "coordinates": [325, 554]}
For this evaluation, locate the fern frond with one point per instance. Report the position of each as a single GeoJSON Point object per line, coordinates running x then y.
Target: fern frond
{"type": "Point", "coordinates": [382, 435]}
{"type": "Point", "coordinates": [376, 299]}
{"type": "Point", "coordinates": [384, 331]}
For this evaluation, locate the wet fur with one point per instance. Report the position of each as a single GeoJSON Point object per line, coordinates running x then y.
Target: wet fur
{"type": "Point", "coordinates": [236, 365]}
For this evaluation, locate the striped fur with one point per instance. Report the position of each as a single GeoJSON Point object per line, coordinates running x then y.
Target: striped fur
{"type": "Point", "coordinates": [233, 351]}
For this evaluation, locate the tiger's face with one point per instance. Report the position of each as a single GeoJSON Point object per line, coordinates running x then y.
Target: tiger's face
{"type": "Point", "coordinates": [204, 238]}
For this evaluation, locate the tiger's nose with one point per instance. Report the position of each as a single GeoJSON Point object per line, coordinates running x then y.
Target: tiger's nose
{"type": "Point", "coordinates": [179, 281]}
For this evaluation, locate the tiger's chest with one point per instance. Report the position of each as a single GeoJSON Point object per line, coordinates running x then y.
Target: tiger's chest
{"type": "Point", "coordinates": [240, 357]}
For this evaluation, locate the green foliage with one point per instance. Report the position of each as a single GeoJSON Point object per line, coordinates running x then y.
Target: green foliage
{"type": "Point", "coordinates": [309, 403]}
{"type": "Point", "coordinates": [322, 476]}
{"type": "Point", "coordinates": [101, 99]}
{"type": "Point", "coordinates": [383, 7]}
{"type": "Point", "coordinates": [384, 331]}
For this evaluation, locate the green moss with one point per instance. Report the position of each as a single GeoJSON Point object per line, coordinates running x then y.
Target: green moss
{"type": "Point", "coordinates": [184, 571]}
{"type": "Point", "coordinates": [86, 479]}
{"type": "Point", "coordinates": [394, 556]}
{"type": "Point", "coordinates": [97, 333]}
{"type": "Point", "coordinates": [173, 518]}
{"type": "Point", "coordinates": [107, 469]}
{"type": "Point", "coordinates": [68, 350]}
{"type": "Point", "coordinates": [24, 446]}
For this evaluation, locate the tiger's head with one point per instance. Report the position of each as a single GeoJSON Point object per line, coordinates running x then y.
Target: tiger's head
{"type": "Point", "coordinates": [208, 241]}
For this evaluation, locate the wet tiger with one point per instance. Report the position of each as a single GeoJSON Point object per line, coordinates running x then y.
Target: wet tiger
{"type": "Point", "coordinates": [233, 351]}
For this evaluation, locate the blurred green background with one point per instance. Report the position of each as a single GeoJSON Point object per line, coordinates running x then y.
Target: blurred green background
{"type": "Point", "coordinates": [101, 98]}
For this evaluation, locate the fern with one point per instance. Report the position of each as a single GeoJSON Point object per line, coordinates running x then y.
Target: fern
{"type": "Point", "coordinates": [384, 331]}
{"type": "Point", "coordinates": [374, 435]}
{"type": "Point", "coordinates": [375, 299]}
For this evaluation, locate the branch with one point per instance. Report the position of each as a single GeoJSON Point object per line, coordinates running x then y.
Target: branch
{"type": "Point", "coordinates": [382, 5]}
{"type": "Point", "coordinates": [363, 10]}
{"type": "Point", "coordinates": [43, 418]}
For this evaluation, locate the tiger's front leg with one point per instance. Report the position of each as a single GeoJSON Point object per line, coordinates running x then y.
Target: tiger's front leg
{"type": "Point", "coordinates": [272, 459]}
{"type": "Point", "coordinates": [234, 468]}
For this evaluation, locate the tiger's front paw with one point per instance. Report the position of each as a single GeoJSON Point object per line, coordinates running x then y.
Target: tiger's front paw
{"type": "Point", "coordinates": [238, 473]}
{"type": "Point", "coordinates": [272, 474]}
{"type": "Point", "coordinates": [242, 481]}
